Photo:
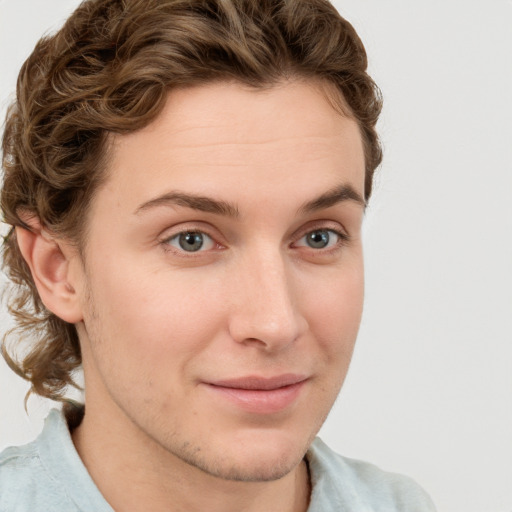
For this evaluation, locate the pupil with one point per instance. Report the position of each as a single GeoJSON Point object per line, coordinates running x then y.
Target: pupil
{"type": "Point", "coordinates": [191, 241]}
{"type": "Point", "coordinates": [318, 239]}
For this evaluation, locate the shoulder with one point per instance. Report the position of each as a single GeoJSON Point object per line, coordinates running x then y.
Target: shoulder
{"type": "Point", "coordinates": [25, 485]}
{"type": "Point", "coordinates": [357, 485]}
{"type": "Point", "coordinates": [48, 474]}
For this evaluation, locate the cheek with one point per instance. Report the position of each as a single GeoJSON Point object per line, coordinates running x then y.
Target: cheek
{"type": "Point", "coordinates": [145, 335]}
{"type": "Point", "coordinates": [156, 317]}
{"type": "Point", "coordinates": [335, 312]}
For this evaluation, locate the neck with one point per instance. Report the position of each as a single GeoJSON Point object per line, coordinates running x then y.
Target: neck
{"type": "Point", "coordinates": [133, 473]}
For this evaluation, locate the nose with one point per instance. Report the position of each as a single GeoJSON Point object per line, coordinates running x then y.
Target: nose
{"type": "Point", "coordinates": [266, 310]}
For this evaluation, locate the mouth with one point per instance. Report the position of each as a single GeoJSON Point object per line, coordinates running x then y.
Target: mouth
{"type": "Point", "coordinates": [260, 395]}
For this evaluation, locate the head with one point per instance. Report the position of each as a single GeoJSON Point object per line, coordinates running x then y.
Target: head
{"type": "Point", "coordinates": [146, 158]}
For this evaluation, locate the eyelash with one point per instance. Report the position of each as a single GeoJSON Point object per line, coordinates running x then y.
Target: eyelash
{"type": "Point", "coordinates": [342, 240]}
{"type": "Point", "coordinates": [166, 243]}
{"type": "Point", "coordinates": [190, 232]}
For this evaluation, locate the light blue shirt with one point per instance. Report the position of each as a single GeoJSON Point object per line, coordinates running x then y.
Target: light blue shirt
{"type": "Point", "coordinates": [48, 475]}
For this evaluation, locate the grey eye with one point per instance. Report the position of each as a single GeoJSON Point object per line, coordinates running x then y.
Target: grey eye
{"type": "Point", "coordinates": [318, 239]}
{"type": "Point", "coordinates": [191, 241]}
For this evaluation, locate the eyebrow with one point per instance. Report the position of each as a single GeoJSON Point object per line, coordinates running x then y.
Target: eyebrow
{"type": "Point", "coordinates": [330, 198]}
{"type": "Point", "coordinates": [339, 194]}
{"type": "Point", "coordinates": [201, 203]}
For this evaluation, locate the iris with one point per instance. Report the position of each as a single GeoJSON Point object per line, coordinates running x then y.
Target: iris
{"type": "Point", "coordinates": [318, 239]}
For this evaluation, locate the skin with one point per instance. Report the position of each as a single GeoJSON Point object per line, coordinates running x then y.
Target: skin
{"type": "Point", "coordinates": [158, 324]}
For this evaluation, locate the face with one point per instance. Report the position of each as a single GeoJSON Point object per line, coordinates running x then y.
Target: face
{"type": "Point", "coordinates": [222, 281]}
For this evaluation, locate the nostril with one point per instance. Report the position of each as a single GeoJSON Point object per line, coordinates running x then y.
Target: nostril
{"type": "Point", "coordinates": [266, 312]}
{"type": "Point", "coordinates": [270, 334]}
{"type": "Point", "coordinates": [254, 342]}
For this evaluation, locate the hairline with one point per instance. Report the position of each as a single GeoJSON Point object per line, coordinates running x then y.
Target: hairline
{"type": "Point", "coordinates": [327, 88]}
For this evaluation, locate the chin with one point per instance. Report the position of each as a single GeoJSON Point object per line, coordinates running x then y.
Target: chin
{"type": "Point", "coordinates": [262, 459]}
{"type": "Point", "coordinates": [265, 472]}
{"type": "Point", "coordinates": [242, 469]}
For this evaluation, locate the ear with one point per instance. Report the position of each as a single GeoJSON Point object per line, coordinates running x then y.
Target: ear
{"type": "Point", "coordinates": [49, 263]}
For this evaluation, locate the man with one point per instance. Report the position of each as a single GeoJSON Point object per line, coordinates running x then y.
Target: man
{"type": "Point", "coordinates": [186, 181]}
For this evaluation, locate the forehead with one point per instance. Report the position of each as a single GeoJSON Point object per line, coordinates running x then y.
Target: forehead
{"type": "Point", "coordinates": [223, 135]}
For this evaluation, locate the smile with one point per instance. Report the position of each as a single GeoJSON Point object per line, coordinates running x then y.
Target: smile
{"type": "Point", "coordinates": [260, 395]}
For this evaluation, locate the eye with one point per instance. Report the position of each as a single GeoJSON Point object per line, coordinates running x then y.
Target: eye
{"type": "Point", "coordinates": [320, 239]}
{"type": "Point", "coordinates": [191, 241]}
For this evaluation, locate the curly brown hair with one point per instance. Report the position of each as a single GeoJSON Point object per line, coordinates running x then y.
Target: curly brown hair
{"type": "Point", "coordinates": [109, 69]}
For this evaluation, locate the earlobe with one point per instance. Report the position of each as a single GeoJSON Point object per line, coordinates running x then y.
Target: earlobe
{"type": "Point", "coordinates": [49, 264]}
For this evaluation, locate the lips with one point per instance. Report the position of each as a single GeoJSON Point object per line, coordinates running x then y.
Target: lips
{"type": "Point", "coordinates": [260, 383]}
{"type": "Point", "coordinates": [260, 394]}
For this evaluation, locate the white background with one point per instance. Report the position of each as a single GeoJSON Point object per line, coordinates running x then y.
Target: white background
{"type": "Point", "coordinates": [429, 393]}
